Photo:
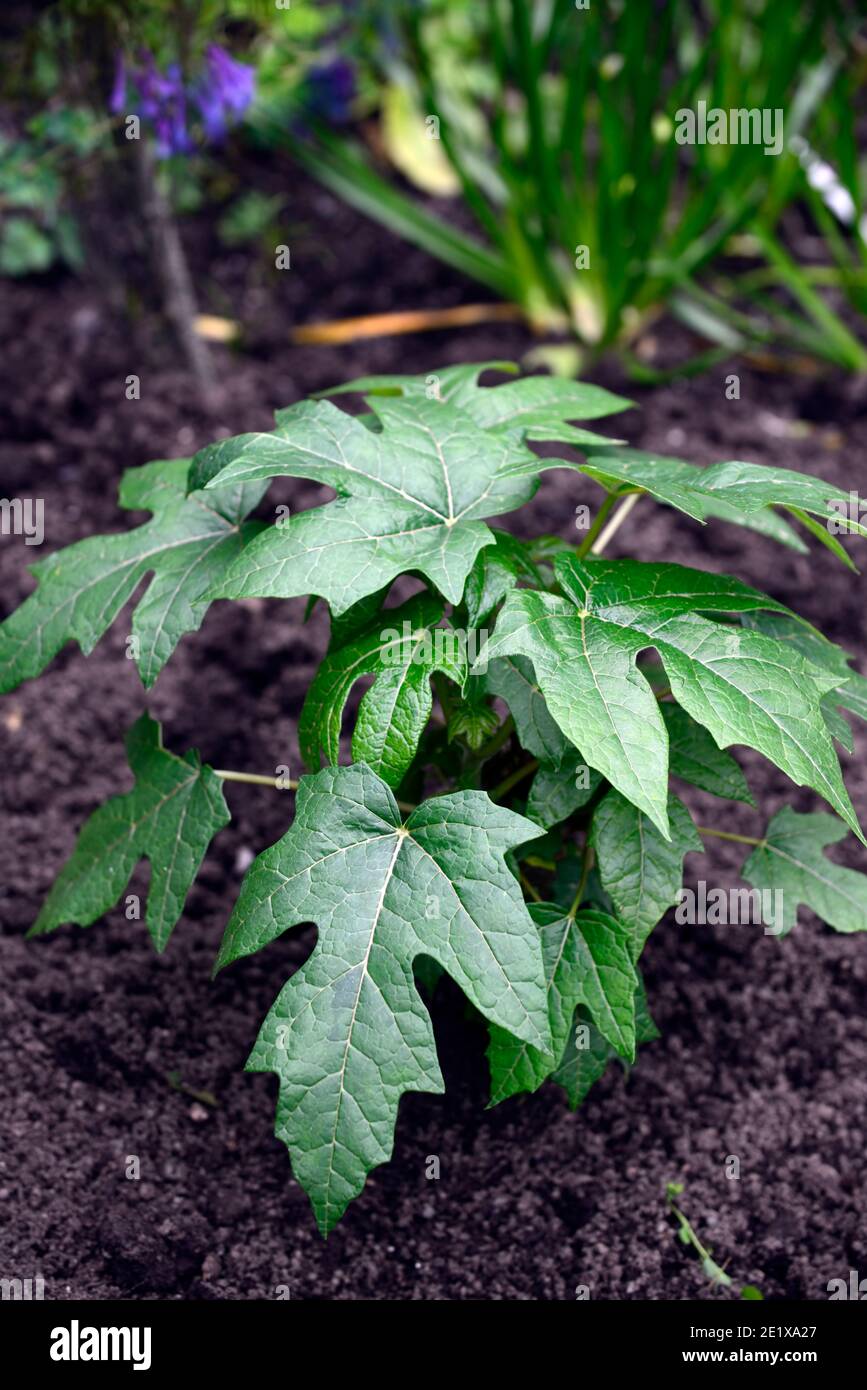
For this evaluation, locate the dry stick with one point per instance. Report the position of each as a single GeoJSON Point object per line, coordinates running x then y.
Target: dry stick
{"type": "Point", "coordinates": [407, 321]}
{"type": "Point", "coordinates": [179, 300]}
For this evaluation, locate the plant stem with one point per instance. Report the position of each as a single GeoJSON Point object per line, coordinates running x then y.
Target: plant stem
{"type": "Point", "coordinates": [496, 741]}
{"type": "Point", "coordinates": [616, 521]}
{"type": "Point", "coordinates": [513, 779]}
{"type": "Point", "coordinates": [537, 897]}
{"type": "Point", "coordinates": [729, 835]}
{"type": "Point", "coordinates": [173, 271]}
{"type": "Point", "coordinates": [255, 777]}
{"type": "Point", "coordinates": [586, 866]}
{"type": "Point", "coordinates": [598, 522]}
{"type": "Point", "coordinates": [279, 783]}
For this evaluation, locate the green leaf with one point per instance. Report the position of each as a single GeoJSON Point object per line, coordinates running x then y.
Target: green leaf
{"type": "Point", "coordinates": [512, 680]}
{"type": "Point", "coordinates": [640, 870]}
{"type": "Point", "coordinates": [497, 569]}
{"type": "Point", "coordinates": [556, 793]}
{"type": "Point", "coordinates": [170, 817]}
{"type": "Point", "coordinates": [349, 1033]}
{"type": "Point", "coordinates": [457, 384]}
{"type": "Point", "coordinates": [587, 961]}
{"type": "Point", "coordinates": [585, 1061]}
{"type": "Point", "coordinates": [790, 863]}
{"type": "Point", "coordinates": [695, 758]}
{"type": "Point", "coordinates": [473, 720]}
{"type": "Point", "coordinates": [743, 490]}
{"type": "Point", "coordinates": [587, 1054]}
{"type": "Point", "coordinates": [402, 650]}
{"type": "Point", "coordinates": [741, 686]}
{"type": "Point", "coordinates": [190, 541]}
{"type": "Point", "coordinates": [410, 498]}
{"type": "Point", "coordinates": [533, 408]}
{"type": "Point", "coordinates": [540, 407]}
{"type": "Point", "coordinates": [849, 694]}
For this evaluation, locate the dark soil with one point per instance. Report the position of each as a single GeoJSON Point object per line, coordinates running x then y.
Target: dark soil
{"type": "Point", "coordinates": [764, 1047]}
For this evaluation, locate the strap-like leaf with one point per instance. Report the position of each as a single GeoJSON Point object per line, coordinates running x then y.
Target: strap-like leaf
{"type": "Point", "coordinates": [349, 1032]}
{"type": "Point", "coordinates": [170, 817]}
{"type": "Point", "coordinates": [191, 541]}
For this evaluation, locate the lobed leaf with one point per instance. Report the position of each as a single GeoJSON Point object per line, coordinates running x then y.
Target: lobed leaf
{"type": "Point", "coordinates": [640, 870]}
{"type": "Point", "coordinates": [694, 757]}
{"type": "Point", "coordinates": [789, 862]}
{"type": "Point", "coordinates": [402, 650]}
{"type": "Point", "coordinates": [410, 499]}
{"type": "Point", "coordinates": [170, 817]}
{"type": "Point", "coordinates": [741, 686]}
{"type": "Point", "coordinates": [587, 961]}
{"type": "Point", "coordinates": [587, 1054]}
{"type": "Point", "coordinates": [735, 491]}
{"type": "Point", "coordinates": [190, 542]}
{"type": "Point", "coordinates": [349, 1033]}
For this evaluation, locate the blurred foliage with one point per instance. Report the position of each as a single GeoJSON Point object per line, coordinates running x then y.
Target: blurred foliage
{"type": "Point", "coordinates": [556, 125]}
{"type": "Point", "coordinates": [57, 132]}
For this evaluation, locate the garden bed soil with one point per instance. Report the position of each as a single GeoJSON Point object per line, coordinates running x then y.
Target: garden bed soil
{"type": "Point", "coordinates": [764, 1044]}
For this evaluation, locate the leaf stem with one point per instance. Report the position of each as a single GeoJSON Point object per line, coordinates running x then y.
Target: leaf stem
{"type": "Point", "coordinates": [513, 779]}
{"type": "Point", "coordinates": [729, 835]}
{"type": "Point", "coordinates": [586, 866]}
{"type": "Point", "coordinates": [616, 521]}
{"type": "Point", "coordinates": [537, 897]}
{"type": "Point", "coordinates": [255, 777]}
{"type": "Point", "coordinates": [281, 783]}
{"type": "Point", "coordinates": [496, 741]}
{"type": "Point", "coordinates": [599, 521]}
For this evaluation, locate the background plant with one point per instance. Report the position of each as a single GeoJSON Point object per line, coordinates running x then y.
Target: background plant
{"type": "Point", "coordinates": [507, 816]}
{"type": "Point", "coordinates": [556, 126]}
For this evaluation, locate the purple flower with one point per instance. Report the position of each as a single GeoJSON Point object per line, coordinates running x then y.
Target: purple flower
{"type": "Point", "coordinates": [236, 82]}
{"type": "Point", "coordinates": [330, 90]}
{"type": "Point", "coordinates": [224, 92]}
{"type": "Point", "coordinates": [220, 96]}
{"type": "Point", "coordinates": [117, 100]}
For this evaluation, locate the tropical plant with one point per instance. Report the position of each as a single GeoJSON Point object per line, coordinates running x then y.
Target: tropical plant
{"type": "Point", "coordinates": [507, 815]}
